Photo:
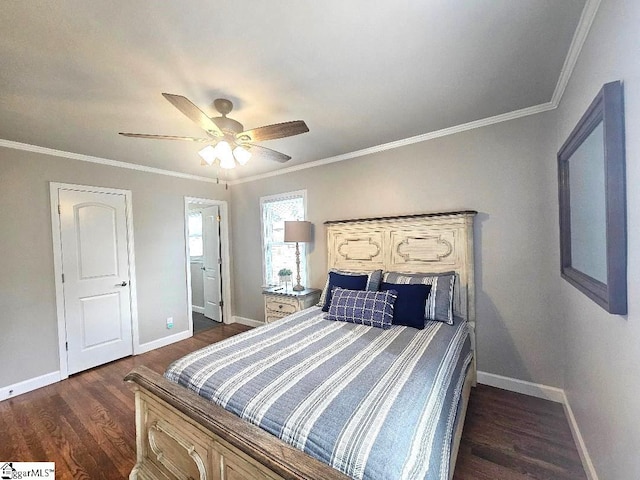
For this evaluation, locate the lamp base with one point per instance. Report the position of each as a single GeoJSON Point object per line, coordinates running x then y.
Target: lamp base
{"type": "Point", "coordinates": [298, 288]}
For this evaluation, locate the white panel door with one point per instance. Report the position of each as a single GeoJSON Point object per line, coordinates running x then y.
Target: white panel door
{"type": "Point", "coordinates": [95, 265]}
{"type": "Point", "coordinates": [211, 264]}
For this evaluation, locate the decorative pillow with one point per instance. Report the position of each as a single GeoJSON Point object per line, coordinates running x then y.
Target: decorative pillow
{"type": "Point", "coordinates": [372, 284]}
{"type": "Point", "coordinates": [440, 302]}
{"type": "Point", "coordinates": [351, 282]}
{"type": "Point", "coordinates": [410, 306]}
{"type": "Point", "coordinates": [374, 309]}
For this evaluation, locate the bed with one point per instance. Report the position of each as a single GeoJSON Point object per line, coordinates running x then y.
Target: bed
{"type": "Point", "coordinates": [355, 378]}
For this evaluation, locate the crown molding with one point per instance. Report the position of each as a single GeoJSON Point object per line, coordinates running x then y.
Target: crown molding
{"type": "Point", "coordinates": [102, 161]}
{"type": "Point", "coordinates": [579, 37]}
{"type": "Point", "coordinates": [504, 117]}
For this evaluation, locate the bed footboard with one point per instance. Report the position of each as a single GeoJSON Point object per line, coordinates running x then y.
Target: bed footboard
{"type": "Point", "coordinates": [179, 435]}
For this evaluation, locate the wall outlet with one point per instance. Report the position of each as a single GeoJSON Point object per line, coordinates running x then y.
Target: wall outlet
{"type": "Point", "coordinates": [170, 322]}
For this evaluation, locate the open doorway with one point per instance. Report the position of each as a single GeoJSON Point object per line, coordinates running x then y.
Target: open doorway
{"type": "Point", "coordinates": [208, 281]}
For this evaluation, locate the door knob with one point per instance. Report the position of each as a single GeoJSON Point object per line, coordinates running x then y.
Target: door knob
{"type": "Point", "coordinates": [123, 284]}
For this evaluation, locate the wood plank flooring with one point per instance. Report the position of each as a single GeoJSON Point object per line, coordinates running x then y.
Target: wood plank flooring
{"type": "Point", "coordinates": [86, 425]}
{"type": "Point", "coordinates": [509, 436]}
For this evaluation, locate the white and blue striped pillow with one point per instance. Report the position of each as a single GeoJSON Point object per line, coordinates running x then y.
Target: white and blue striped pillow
{"type": "Point", "coordinates": [374, 309]}
{"type": "Point", "coordinates": [440, 301]}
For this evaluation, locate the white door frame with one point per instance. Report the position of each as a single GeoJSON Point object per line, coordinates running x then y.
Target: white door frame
{"type": "Point", "coordinates": [224, 242]}
{"type": "Point", "coordinates": [54, 187]}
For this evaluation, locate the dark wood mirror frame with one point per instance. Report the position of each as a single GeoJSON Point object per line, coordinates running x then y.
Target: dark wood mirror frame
{"type": "Point", "coordinates": [607, 109]}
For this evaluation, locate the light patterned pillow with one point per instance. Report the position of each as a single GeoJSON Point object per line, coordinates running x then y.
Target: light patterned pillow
{"type": "Point", "coordinates": [373, 282]}
{"type": "Point", "coordinates": [439, 304]}
{"type": "Point", "coordinates": [374, 309]}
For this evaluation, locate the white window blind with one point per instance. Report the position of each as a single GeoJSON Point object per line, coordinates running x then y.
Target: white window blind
{"type": "Point", "coordinates": [278, 254]}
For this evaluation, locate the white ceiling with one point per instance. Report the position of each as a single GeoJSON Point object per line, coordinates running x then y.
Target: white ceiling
{"type": "Point", "coordinates": [360, 73]}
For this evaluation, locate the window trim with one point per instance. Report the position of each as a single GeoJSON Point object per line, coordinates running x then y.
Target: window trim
{"type": "Point", "coordinates": [275, 198]}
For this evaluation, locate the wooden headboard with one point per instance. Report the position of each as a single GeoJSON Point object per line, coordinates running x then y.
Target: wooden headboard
{"type": "Point", "coordinates": [426, 243]}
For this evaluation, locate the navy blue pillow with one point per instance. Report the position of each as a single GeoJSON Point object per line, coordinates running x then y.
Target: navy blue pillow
{"type": "Point", "coordinates": [409, 307]}
{"type": "Point", "coordinates": [350, 282]}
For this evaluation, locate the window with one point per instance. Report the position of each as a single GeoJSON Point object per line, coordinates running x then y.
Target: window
{"type": "Point", "coordinates": [275, 210]}
{"type": "Point", "coordinates": [195, 234]}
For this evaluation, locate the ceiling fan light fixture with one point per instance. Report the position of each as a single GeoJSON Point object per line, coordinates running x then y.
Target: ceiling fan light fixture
{"type": "Point", "coordinates": [224, 153]}
{"type": "Point", "coordinates": [208, 154]}
{"type": "Point", "coordinates": [241, 154]}
{"type": "Point", "coordinates": [226, 136]}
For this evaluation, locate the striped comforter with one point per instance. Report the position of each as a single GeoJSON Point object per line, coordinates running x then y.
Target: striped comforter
{"type": "Point", "coordinates": [372, 403]}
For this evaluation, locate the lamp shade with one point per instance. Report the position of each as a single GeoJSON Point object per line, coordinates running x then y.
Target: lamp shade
{"type": "Point", "coordinates": [297, 231]}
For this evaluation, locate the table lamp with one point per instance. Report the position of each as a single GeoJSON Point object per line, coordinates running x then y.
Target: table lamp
{"type": "Point", "coordinates": [297, 231]}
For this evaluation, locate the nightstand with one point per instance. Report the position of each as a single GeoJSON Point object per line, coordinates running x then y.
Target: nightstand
{"type": "Point", "coordinates": [280, 303]}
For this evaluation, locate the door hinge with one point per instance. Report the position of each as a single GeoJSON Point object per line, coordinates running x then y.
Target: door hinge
{"type": "Point", "coordinates": [218, 218]}
{"type": "Point", "coordinates": [66, 346]}
{"type": "Point", "coordinates": [63, 278]}
{"type": "Point", "coordinates": [219, 261]}
{"type": "Point", "coordinates": [221, 303]}
{"type": "Point", "coordinates": [59, 211]}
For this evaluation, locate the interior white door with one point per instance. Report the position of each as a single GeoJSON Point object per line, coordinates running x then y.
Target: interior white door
{"type": "Point", "coordinates": [95, 265]}
{"type": "Point", "coordinates": [211, 264]}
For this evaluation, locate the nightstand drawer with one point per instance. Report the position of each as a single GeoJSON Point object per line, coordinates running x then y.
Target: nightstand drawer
{"type": "Point", "coordinates": [273, 316]}
{"type": "Point", "coordinates": [277, 305]}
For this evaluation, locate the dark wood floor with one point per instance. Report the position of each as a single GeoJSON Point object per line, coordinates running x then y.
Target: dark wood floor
{"type": "Point", "coordinates": [511, 436]}
{"type": "Point", "coordinates": [201, 323]}
{"type": "Point", "coordinates": [86, 425]}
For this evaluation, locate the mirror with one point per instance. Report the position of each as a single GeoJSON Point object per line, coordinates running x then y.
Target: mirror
{"type": "Point", "coordinates": [591, 177]}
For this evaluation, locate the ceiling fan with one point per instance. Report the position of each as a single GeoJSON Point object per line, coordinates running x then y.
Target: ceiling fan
{"type": "Point", "coordinates": [229, 142]}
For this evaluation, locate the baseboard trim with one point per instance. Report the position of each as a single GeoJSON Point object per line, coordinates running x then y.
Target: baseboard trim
{"type": "Point", "coordinates": [31, 384]}
{"type": "Point", "coordinates": [522, 386]}
{"type": "Point", "coordinates": [197, 309]}
{"type": "Point", "coordinates": [11, 391]}
{"type": "Point", "coordinates": [162, 342]}
{"type": "Point", "coordinates": [546, 392]}
{"type": "Point", "coordinates": [587, 464]}
{"type": "Point", "coordinates": [246, 321]}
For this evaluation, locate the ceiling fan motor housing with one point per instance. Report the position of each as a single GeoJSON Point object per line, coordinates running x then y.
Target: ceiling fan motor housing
{"type": "Point", "coordinates": [228, 125]}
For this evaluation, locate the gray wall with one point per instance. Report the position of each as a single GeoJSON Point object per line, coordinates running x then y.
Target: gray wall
{"type": "Point", "coordinates": [29, 340]}
{"type": "Point", "coordinates": [602, 351]}
{"type": "Point", "coordinates": [505, 171]}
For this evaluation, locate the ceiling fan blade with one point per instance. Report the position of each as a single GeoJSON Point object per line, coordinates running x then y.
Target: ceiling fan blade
{"type": "Point", "coordinates": [272, 132]}
{"type": "Point", "coordinates": [164, 137]}
{"type": "Point", "coordinates": [267, 153]}
{"type": "Point", "coordinates": [193, 113]}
